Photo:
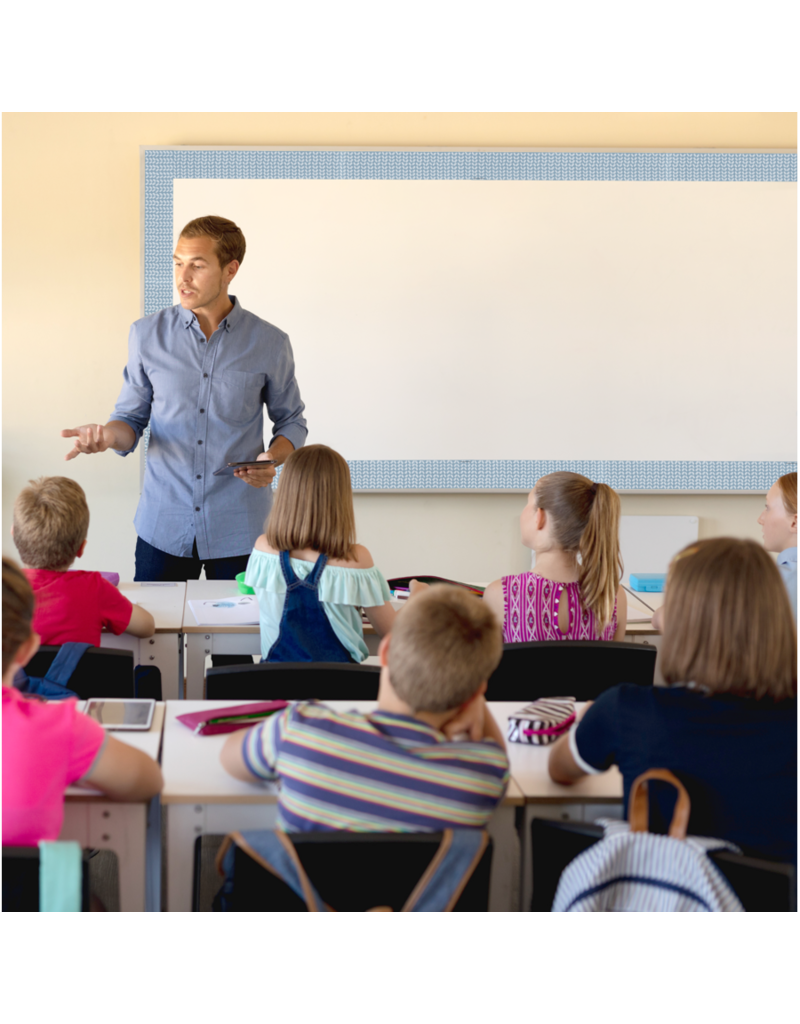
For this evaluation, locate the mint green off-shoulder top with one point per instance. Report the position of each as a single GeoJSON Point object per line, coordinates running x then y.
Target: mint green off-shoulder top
{"type": "Point", "coordinates": [342, 592]}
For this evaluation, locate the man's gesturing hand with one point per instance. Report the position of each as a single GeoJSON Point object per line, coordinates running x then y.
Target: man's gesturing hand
{"type": "Point", "coordinates": [257, 476]}
{"type": "Point", "coordinates": [89, 439]}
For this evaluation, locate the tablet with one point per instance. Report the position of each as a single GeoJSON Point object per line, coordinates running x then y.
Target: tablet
{"type": "Point", "coordinates": [228, 468]}
{"type": "Point", "coordinates": [122, 714]}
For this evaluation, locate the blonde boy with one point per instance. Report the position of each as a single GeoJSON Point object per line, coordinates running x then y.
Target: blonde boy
{"type": "Point", "coordinates": [400, 768]}
{"type": "Point", "coordinates": [51, 521]}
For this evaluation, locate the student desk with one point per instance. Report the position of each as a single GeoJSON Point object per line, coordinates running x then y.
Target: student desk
{"type": "Point", "coordinates": [204, 640]}
{"type": "Point", "coordinates": [164, 650]}
{"type": "Point", "coordinates": [200, 797]}
{"type": "Point", "coordinates": [595, 796]}
{"type": "Point", "coordinates": [131, 830]}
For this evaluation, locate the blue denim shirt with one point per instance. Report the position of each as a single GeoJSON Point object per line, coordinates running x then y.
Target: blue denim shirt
{"type": "Point", "coordinates": [204, 403]}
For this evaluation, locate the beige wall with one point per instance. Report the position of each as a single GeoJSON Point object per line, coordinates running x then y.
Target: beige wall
{"type": "Point", "coordinates": [71, 285]}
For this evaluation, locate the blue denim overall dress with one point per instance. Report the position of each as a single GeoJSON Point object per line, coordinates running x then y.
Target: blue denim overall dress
{"type": "Point", "coordinates": [305, 633]}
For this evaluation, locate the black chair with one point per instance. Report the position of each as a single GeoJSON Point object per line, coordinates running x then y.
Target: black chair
{"type": "Point", "coordinates": [101, 672]}
{"type": "Point", "coordinates": [352, 871]}
{"type": "Point", "coordinates": [21, 879]}
{"type": "Point", "coordinates": [761, 885]}
{"type": "Point", "coordinates": [582, 669]}
{"type": "Point", "coordinates": [302, 680]}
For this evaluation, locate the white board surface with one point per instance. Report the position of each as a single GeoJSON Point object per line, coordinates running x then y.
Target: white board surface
{"type": "Point", "coordinates": [527, 319]}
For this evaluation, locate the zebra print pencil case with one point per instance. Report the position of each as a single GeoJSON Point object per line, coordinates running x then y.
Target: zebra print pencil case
{"type": "Point", "coordinates": [542, 722]}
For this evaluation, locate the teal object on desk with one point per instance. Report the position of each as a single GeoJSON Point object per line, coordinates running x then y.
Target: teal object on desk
{"type": "Point", "coordinates": [648, 582]}
{"type": "Point", "coordinates": [243, 587]}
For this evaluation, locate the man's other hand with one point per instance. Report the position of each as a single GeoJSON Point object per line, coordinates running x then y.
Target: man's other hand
{"type": "Point", "coordinates": [257, 476]}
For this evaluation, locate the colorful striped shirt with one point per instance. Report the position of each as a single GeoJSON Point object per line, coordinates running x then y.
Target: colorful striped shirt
{"type": "Point", "coordinates": [380, 772]}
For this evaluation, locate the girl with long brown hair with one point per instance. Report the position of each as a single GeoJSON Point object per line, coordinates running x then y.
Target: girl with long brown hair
{"type": "Point", "coordinates": [778, 522]}
{"type": "Point", "coordinates": [310, 576]}
{"type": "Point", "coordinates": [726, 722]}
{"type": "Point", "coordinates": [574, 593]}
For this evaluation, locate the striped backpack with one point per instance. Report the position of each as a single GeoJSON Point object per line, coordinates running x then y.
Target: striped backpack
{"type": "Point", "coordinates": [635, 870]}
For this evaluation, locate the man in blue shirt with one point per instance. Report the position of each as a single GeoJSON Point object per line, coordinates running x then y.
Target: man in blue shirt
{"type": "Point", "coordinates": [199, 374]}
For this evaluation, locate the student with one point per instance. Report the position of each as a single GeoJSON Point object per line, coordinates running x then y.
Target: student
{"type": "Point", "coordinates": [310, 576]}
{"type": "Point", "coordinates": [51, 522]}
{"type": "Point", "coordinates": [49, 746]}
{"type": "Point", "coordinates": [566, 598]}
{"type": "Point", "coordinates": [399, 769]}
{"type": "Point", "coordinates": [725, 724]}
{"type": "Point", "coordinates": [778, 522]}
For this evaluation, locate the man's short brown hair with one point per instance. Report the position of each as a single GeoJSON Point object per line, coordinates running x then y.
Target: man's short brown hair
{"type": "Point", "coordinates": [444, 644]}
{"type": "Point", "coordinates": [728, 624]}
{"type": "Point", "coordinates": [229, 243]}
{"type": "Point", "coordinates": [51, 521]}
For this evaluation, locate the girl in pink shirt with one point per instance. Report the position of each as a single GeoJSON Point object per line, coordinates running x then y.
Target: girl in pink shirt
{"type": "Point", "coordinates": [49, 746]}
{"type": "Point", "coordinates": [574, 593]}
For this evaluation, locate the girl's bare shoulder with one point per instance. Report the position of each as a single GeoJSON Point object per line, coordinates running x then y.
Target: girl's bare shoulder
{"type": "Point", "coordinates": [361, 559]}
{"type": "Point", "coordinates": [262, 545]}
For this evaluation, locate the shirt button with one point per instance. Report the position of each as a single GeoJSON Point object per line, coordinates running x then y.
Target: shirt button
{"type": "Point", "coordinates": [199, 477]}
{"type": "Point", "coordinates": [202, 410]}
{"type": "Point", "coordinates": [205, 374]}
{"type": "Point", "coordinates": [199, 442]}
{"type": "Point", "coordinates": [197, 508]}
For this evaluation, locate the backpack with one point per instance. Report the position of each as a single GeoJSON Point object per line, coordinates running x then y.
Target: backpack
{"type": "Point", "coordinates": [635, 870]}
{"type": "Point", "coordinates": [52, 685]}
{"type": "Point", "coordinates": [439, 888]}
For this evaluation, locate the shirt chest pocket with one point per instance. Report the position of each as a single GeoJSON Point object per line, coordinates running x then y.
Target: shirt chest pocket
{"type": "Point", "coordinates": [237, 395]}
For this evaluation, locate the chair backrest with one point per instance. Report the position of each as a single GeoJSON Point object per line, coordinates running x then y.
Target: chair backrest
{"type": "Point", "coordinates": [353, 871]}
{"type": "Point", "coordinates": [21, 879]}
{"type": "Point", "coordinates": [582, 669]}
{"type": "Point", "coordinates": [285, 680]}
{"type": "Point", "coordinates": [101, 672]}
{"type": "Point", "coordinates": [761, 885]}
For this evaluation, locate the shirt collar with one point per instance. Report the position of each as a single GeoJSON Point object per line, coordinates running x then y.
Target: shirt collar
{"type": "Point", "coordinates": [787, 556]}
{"type": "Point", "coordinates": [231, 320]}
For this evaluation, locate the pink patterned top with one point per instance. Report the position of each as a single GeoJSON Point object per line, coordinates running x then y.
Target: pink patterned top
{"type": "Point", "coordinates": [531, 611]}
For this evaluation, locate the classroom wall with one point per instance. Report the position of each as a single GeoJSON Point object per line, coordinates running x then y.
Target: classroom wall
{"type": "Point", "coordinates": [71, 287]}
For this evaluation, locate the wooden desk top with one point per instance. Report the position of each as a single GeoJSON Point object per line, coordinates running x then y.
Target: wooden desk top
{"type": "Point", "coordinates": [165, 604]}
{"type": "Point", "coordinates": [193, 773]}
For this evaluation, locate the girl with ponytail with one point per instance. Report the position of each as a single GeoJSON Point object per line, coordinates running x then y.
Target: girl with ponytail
{"type": "Point", "coordinates": [574, 593]}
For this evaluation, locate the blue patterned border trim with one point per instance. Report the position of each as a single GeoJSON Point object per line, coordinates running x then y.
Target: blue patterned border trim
{"type": "Point", "coordinates": [163, 166]}
{"type": "Point", "coordinates": [502, 474]}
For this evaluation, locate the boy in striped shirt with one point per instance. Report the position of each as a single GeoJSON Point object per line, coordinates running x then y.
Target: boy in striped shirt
{"type": "Point", "coordinates": [400, 768]}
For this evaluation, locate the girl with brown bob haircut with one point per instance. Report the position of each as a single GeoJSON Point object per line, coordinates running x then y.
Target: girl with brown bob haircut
{"type": "Point", "coordinates": [310, 575]}
{"type": "Point", "coordinates": [726, 722]}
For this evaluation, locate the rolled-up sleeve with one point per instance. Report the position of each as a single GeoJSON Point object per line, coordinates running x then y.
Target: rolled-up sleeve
{"type": "Point", "coordinates": [136, 397]}
{"type": "Point", "coordinates": [284, 405]}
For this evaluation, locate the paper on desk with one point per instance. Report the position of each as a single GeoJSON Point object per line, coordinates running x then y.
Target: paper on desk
{"type": "Point", "coordinates": [226, 611]}
{"type": "Point", "coordinates": [638, 614]}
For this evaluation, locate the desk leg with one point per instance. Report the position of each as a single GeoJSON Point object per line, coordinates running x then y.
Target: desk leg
{"type": "Point", "coordinates": [104, 825]}
{"type": "Point", "coordinates": [196, 646]}
{"type": "Point", "coordinates": [153, 857]}
{"type": "Point", "coordinates": [504, 883]}
{"type": "Point", "coordinates": [161, 651]}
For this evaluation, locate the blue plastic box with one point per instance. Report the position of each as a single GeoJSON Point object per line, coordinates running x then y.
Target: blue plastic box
{"type": "Point", "coordinates": [648, 582]}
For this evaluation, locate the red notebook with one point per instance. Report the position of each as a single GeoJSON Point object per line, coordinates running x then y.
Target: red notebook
{"type": "Point", "coordinates": [216, 720]}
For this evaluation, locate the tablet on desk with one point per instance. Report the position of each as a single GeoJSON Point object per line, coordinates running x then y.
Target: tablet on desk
{"type": "Point", "coordinates": [229, 467]}
{"type": "Point", "coordinates": [135, 713]}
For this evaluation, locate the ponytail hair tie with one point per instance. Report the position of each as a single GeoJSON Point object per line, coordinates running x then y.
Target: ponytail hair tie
{"type": "Point", "coordinates": [594, 490]}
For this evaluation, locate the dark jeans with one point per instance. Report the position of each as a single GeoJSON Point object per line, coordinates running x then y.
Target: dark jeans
{"type": "Point", "coordinates": [156, 566]}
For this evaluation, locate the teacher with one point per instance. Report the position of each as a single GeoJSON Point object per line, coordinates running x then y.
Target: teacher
{"type": "Point", "coordinates": [200, 374]}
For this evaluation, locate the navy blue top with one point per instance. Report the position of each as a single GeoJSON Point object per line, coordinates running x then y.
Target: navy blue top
{"type": "Point", "coordinates": [736, 756]}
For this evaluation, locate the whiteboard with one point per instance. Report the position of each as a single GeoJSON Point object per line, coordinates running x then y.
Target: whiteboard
{"type": "Point", "coordinates": [497, 329]}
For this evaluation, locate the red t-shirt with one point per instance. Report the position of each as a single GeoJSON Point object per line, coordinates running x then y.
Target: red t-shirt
{"type": "Point", "coordinates": [74, 606]}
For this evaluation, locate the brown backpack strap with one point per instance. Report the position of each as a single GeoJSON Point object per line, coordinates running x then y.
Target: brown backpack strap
{"type": "Point", "coordinates": [638, 803]}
